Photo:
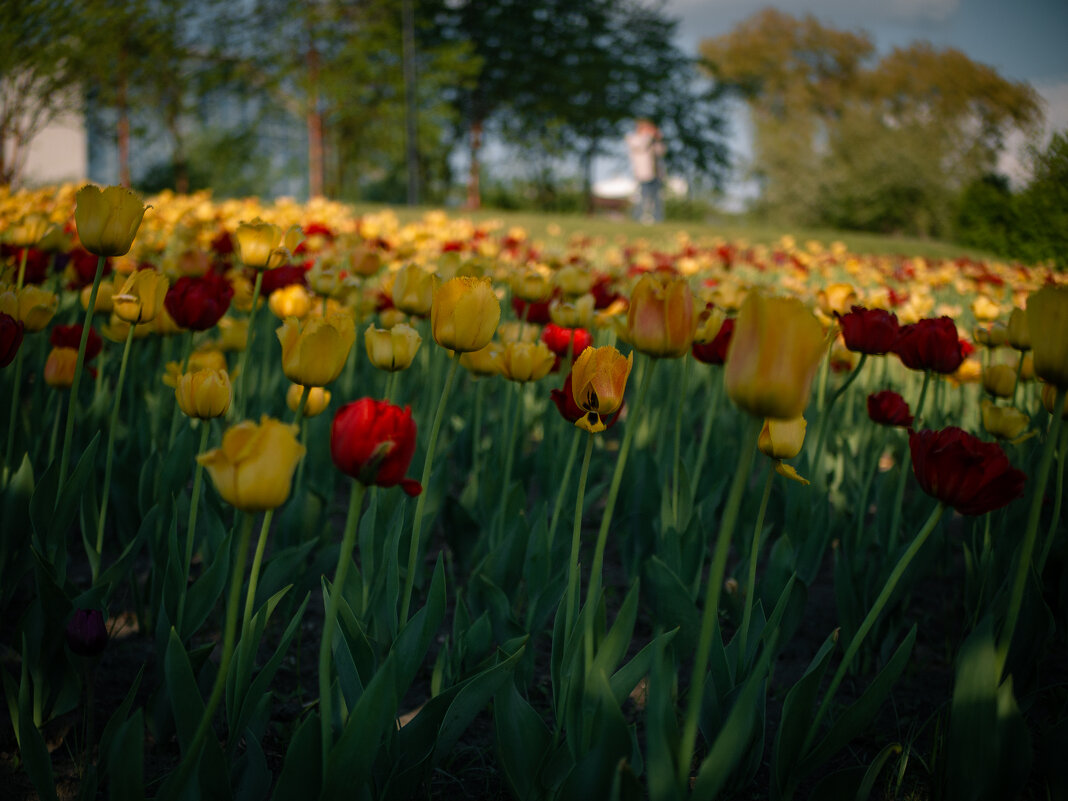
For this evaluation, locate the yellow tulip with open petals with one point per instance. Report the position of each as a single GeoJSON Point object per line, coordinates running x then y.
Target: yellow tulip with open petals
{"type": "Point", "coordinates": [141, 296]}
{"type": "Point", "coordinates": [598, 381]}
{"type": "Point", "coordinates": [315, 351]}
{"type": "Point", "coordinates": [253, 468]}
{"type": "Point", "coordinates": [465, 314]}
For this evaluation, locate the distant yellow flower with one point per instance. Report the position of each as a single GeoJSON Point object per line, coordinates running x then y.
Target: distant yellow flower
{"type": "Point", "coordinates": [315, 402]}
{"type": "Point", "coordinates": [484, 361]}
{"type": "Point", "coordinates": [999, 380]}
{"type": "Point", "coordinates": [290, 301]}
{"type": "Point", "coordinates": [59, 367]}
{"type": "Point", "coordinates": [413, 290]}
{"type": "Point", "coordinates": [28, 230]}
{"type": "Point", "coordinates": [1019, 334]}
{"type": "Point", "coordinates": [314, 352]}
{"type": "Point", "coordinates": [782, 439]}
{"type": "Point", "coordinates": [1047, 319]}
{"type": "Point", "coordinates": [525, 361]}
{"type": "Point", "coordinates": [141, 296]}
{"type": "Point", "coordinates": [256, 241]}
{"type": "Point", "coordinates": [204, 393]}
{"type": "Point", "coordinates": [108, 220]}
{"type": "Point", "coordinates": [573, 281]}
{"type": "Point", "coordinates": [393, 349]}
{"type": "Point", "coordinates": [209, 359]}
{"type": "Point", "coordinates": [1004, 422]}
{"type": "Point", "coordinates": [660, 318]}
{"type": "Point", "coordinates": [253, 469]}
{"type": "Point", "coordinates": [33, 306]}
{"type": "Point", "coordinates": [578, 314]}
{"type": "Point", "coordinates": [532, 286]}
{"type": "Point", "coordinates": [465, 314]}
{"type": "Point", "coordinates": [985, 310]}
{"type": "Point", "coordinates": [233, 334]}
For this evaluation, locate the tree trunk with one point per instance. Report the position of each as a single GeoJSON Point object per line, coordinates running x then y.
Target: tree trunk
{"type": "Point", "coordinates": [474, 196]}
{"type": "Point", "coordinates": [316, 165]}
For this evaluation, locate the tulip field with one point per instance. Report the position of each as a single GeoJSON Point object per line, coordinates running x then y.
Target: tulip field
{"type": "Point", "coordinates": [298, 502]}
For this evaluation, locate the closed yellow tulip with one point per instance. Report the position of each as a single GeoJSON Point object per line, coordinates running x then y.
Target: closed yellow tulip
{"type": "Point", "coordinates": [28, 230]}
{"type": "Point", "coordinates": [532, 286]}
{"type": "Point", "coordinates": [660, 318]}
{"type": "Point", "coordinates": [392, 349]}
{"type": "Point", "coordinates": [204, 393]}
{"type": "Point", "coordinates": [290, 301]}
{"type": "Point", "coordinates": [1049, 397]}
{"type": "Point", "coordinates": [1004, 422]}
{"type": "Point", "coordinates": [465, 314]}
{"type": "Point", "coordinates": [413, 290]}
{"type": "Point", "coordinates": [775, 349]}
{"type": "Point", "coordinates": [598, 381]}
{"type": "Point", "coordinates": [108, 220]}
{"type": "Point", "coordinates": [1047, 320]}
{"type": "Point", "coordinates": [315, 401]}
{"type": "Point", "coordinates": [573, 280]}
{"type": "Point", "coordinates": [141, 296]}
{"type": "Point", "coordinates": [578, 314]}
{"type": "Point", "coordinates": [483, 362]}
{"type": "Point", "coordinates": [208, 359]}
{"type": "Point", "coordinates": [253, 468]}
{"type": "Point", "coordinates": [999, 380]}
{"type": "Point", "coordinates": [782, 439]}
{"type": "Point", "coordinates": [1019, 333]}
{"type": "Point", "coordinates": [32, 306]}
{"type": "Point", "coordinates": [313, 352]}
{"type": "Point", "coordinates": [256, 241]}
{"type": "Point", "coordinates": [525, 361]}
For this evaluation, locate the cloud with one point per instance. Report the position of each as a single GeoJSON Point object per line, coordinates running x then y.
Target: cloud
{"type": "Point", "coordinates": [1015, 159]}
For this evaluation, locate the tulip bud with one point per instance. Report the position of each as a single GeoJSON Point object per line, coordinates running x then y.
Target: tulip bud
{"type": "Point", "coordinates": [256, 241]}
{"type": "Point", "coordinates": [315, 401]}
{"type": "Point", "coordinates": [1047, 321]}
{"type": "Point", "coordinates": [313, 352]}
{"type": "Point", "coordinates": [394, 349]}
{"type": "Point", "coordinates": [204, 394]}
{"type": "Point", "coordinates": [1019, 334]}
{"type": "Point", "coordinates": [108, 220]}
{"type": "Point", "coordinates": [661, 316]}
{"type": "Point", "coordinates": [86, 633]}
{"type": "Point", "coordinates": [465, 314]}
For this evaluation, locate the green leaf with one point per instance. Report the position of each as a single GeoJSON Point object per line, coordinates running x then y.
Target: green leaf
{"type": "Point", "coordinates": [672, 604]}
{"type": "Point", "coordinates": [625, 679]}
{"type": "Point", "coordinates": [32, 748]}
{"type": "Point", "coordinates": [301, 777]}
{"type": "Point", "coordinates": [125, 759]}
{"type": "Point", "coordinates": [255, 781]}
{"type": "Point", "coordinates": [204, 593]}
{"type": "Point", "coordinates": [615, 643]}
{"type": "Point", "coordinates": [523, 742]}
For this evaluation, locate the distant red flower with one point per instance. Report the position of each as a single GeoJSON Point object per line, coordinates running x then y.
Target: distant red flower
{"type": "Point", "coordinates": [571, 411]}
{"type": "Point", "coordinates": [318, 229]}
{"type": "Point", "coordinates": [962, 471]}
{"type": "Point", "coordinates": [36, 270]}
{"type": "Point", "coordinates": [222, 244]}
{"type": "Point", "coordinates": [557, 338]}
{"type": "Point", "coordinates": [715, 352]}
{"type": "Point", "coordinates": [887, 408]}
{"type": "Point", "coordinates": [930, 344]}
{"type": "Point", "coordinates": [374, 441]}
{"type": "Point", "coordinates": [11, 331]}
{"type": "Point", "coordinates": [83, 263]}
{"type": "Point", "coordinates": [281, 277]}
{"type": "Point", "coordinates": [537, 313]}
{"type": "Point", "coordinates": [603, 291]}
{"type": "Point", "coordinates": [86, 633]}
{"type": "Point", "coordinates": [199, 303]}
{"type": "Point", "coordinates": [70, 336]}
{"type": "Point", "coordinates": [871, 331]}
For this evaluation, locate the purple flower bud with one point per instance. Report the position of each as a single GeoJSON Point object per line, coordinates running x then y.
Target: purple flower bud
{"type": "Point", "coordinates": [86, 633]}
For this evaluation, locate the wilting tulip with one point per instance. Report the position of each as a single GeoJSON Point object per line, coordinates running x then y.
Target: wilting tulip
{"type": "Point", "coordinates": [1018, 334]}
{"type": "Point", "coordinates": [413, 290]}
{"type": "Point", "coordinates": [86, 633]}
{"type": "Point", "coordinates": [962, 471]}
{"type": "Point", "coordinates": [108, 220]}
{"type": "Point", "coordinates": [204, 393]}
{"type": "Point", "coordinates": [775, 349]}
{"type": "Point", "coordinates": [1047, 319]}
{"type": "Point", "coordinates": [394, 349]}
{"type": "Point", "coordinates": [483, 362]}
{"type": "Point", "coordinates": [290, 301]}
{"type": "Point", "coordinates": [660, 317]}
{"type": "Point", "coordinates": [871, 331]}
{"type": "Point", "coordinates": [887, 408]}
{"type": "Point", "coordinates": [11, 331]}
{"type": "Point", "coordinates": [465, 314]}
{"type": "Point", "coordinates": [999, 380]}
{"type": "Point", "coordinates": [253, 469]}
{"type": "Point", "coordinates": [256, 241]}
{"type": "Point", "coordinates": [316, 399]}
{"type": "Point", "coordinates": [313, 352]}
{"type": "Point", "coordinates": [141, 297]}
{"type": "Point", "coordinates": [374, 441]}
{"type": "Point", "coordinates": [598, 381]}
{"type": "Point", "coordinates": [59, 367]}
{"type": "Point", "coordinates": [523, 361]}
{"type": "Point", "coordinates": [32, 306]}
{"type": "Point", "coordinates": [1004, 422]}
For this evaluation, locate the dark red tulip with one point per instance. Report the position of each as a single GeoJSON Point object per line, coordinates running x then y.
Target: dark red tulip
{"type": "Point", "coordinates": [199, 303]}
{"type": "Point", "coordinates": [871, 331]}
{"type": "Point", "coordinates": [537, 313]}
{"type": "Point", "coordinates": [962, 471]}
{"type": "Point", "coordinates": [10, 338]}
{"type": "Point", "coordinates": [715, 352]}
{"type": "Point", "coordinates": [373, 441]}
{"type": "Point", "coordinates": [70, 336]}
{"type": "Point", "coordinates": [930, 344]}
{"type": "Point", "coordinates": [557, 339]}
{"type": "Point", "coordinates": [86, 633]}
{"type": "Point", "coordinates": [887, 408]}
{"type": "Point", "coordinates": [603, 291]}
{"type": "Point", "coordinates": [281, 277]}
{"type": "Point", "coordinates": [83, 264]}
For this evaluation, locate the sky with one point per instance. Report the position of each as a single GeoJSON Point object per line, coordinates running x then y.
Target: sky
{"type": "Point", "coordinates": [1025, 40]}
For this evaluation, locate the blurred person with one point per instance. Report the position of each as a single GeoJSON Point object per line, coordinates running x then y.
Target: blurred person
{"type": "Point", "coordinates": [645, 146]}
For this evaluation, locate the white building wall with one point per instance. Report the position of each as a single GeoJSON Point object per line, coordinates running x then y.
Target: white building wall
{"type": "Point", "coordinates": [58, 154]}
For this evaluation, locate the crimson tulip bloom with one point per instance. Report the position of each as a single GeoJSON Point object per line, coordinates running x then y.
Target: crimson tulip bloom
{"type": "Point", "coordinates": [930, 344]}
{"type": "Point", "coordinates": [557, 338]}
{"type": "Point", "coordinates": [871, 331]}
{"type": "Point", "coordinates": [199, 303]}
{"type": "Point", "coordinates": [70, 336]}
{"type": "Point", "coordinates": [531, 312]}
{"type": "Point", "coordinates": [83, 265]}
{"type": "Point", "coordinates": [715, 352]}
{"type": "Point", "coordinates": [962, 471]}
{"type": "Point", "coordinates": [86, 633]}
{"type": "Point", "coordinates": [281, 277]}
{"type": "Point", "coordinates": [887, 408]}
{"type": "Point", "coordinates": [10, 338]}
{"type": "Point", "coordinates": [373, 441]}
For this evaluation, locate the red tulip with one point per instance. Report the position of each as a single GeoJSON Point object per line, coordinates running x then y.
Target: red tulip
{"type": "Point", "coordinates": [86, 633]}
{"type": "Point", "coordinates": [70, 336]}
{"type": "Point", "coordinates": [537, 313]}
{"type": "Point", "coordinates": [715, 352]}
{"type": "Point", "coordinates": [930, 344]}
{"type": "Point", "coordinates": [871, 331]}
{"type": "Point", "coordinates": [10, 338]}
{"type": "Point", "coordinates": [83, 263]}
{"type": "Point", "coordinates": [281, 277]}
{"type": "Point", "coordinates": [199, 303]}
{"type": "Point", "coordinates": [962, 471]}
{"type": "Point", "coordinates": [571, 411]}
{"type": "Point", "coordinates": [373, 441]}
{"type": "Point", "coordinates": [557, 338]}
{"type": "Point", "coordinates": [887, 408]}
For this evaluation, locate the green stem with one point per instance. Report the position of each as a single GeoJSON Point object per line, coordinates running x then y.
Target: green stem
{"type": "Point", "coordinates": [871, 618]}
{"type": "Point", "coordinates": [678, 443]}
{"type": "Point", "coordinates": [706, 430]}
{"type": "Point", "coordinates": [428, 464]}
{"type": "Point", "coordinates": [869, 477]}
{"type": "Point", "coordinates": [344, 559]}
{"type": "Point", "coordinates": [476, 429]}
{"type": "Point", "coordinates": [22, 271]}
{"type": "Point", "coordinates": [1019, 371]}
{"type": "Point", "coordinates": [710, 615]}
{"type": "Point", "coordinates": [509, 461]}
{"type": "Point", "coordinates": [191, 528]}
{"type": "Point", "coordinates": [191, 757]}
{"type": "Point", "coordinates": [113, 425]}
{"type": "Point", "coordinates": [903, 476]}
{"type": "Point", "coordinates": [750, 582]}
{"type": "Point", "coordinates": [1034, 516]}
{"type": "Point", "coordinates": [825, 416]}
{"type": "Point", "coordinates": [391, 381]}
{"type": "Point", "coordinates": [576, 540]}
{"type": "Point", "coordinates": [9, 447]}
{"type": "Point", "coordinates": [243, 361]}
{"type": "Point", "coordinates": [54, 440]}
{"type": "Point", "coordinates": [558, 506]}
{"type": "Point", "coordinates": [1058, 493]}
{"type": "Point", "coordinates": [79, 365]}
{"type": "Point", "coordinates": [298, 415]}
{"type": "Point", "coordinates": [254, 576]}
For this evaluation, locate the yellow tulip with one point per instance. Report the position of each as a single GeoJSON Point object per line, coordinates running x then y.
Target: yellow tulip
{"type": "Point", "coordinates": [1049, 395]}
{"type": "Point", "coordinates": [532, 286]}
{"type": "Point", "coordinates": [483, 362]}
{"type": "Point", "coordinates": [413, 290]}
{"type": "Point", "coordinates": [1019, 334]}
{"type": "Point", "coordinates": [660, 318]}
{"type": "Point", "coordinates": [105, 297]}
{"type": "Point", "coordinates": [141, 297]}
{"type": "Point", "coordinates": [204, 393]}
{"type": "Point", "coordinates": [999, 380]}
{"type": "Point", "coordinates": [393, 349]}
{"type": "Point", "coordinates": [28, 230]}
{"type": "Point", "coordinates": [290, 301]}
{"type": "Point", "coordinates": [33, 306]}
{"type": "Point", "coordinates": [253, 469]}
{"type": "Point", "coordinates": [256, 241]}
{"type": "Point", "coordinates": [1004, 422]}
{"type": "Point", "coordinates": [774, 352]}
{"type": "Point", "coordinates": [465, 314]}
{"type": "Point", "coordinates": [314, 352]}
{"type": "Point", "coordinates": [578, 314]}
{"type": "Point", "coordinates": [233, 334]}
{"type": "Point", "coordinates": [709, 325]}
{"type": "Point", "coordinates": [108, 220]}
{"type": "Point", "coordinates": [315, 401]}
{"type": "Point", "coordinates": [524, 361]}
{"type": "Point", "coordinates": [836, 298]}
{"type": "Point", "coordinates": [598, 381]}
{"type": "Point", "coordinates": [391, 317]}
{"type": "Point", "coordinates": [1047, 319]}
{"type": "Point", "coordinates": [209, 359]}
{"type": "Point", "coordinates": [59, 368]}
{"type": "Point", "coordinates": [993, 336]}
{"type": "Point", "coordinates": [782, 439]}
{"type": "Point", "coordinates": [116, 329]}
{"type": "Point", "coordinates": [985, 310]}
{"type": "Point", "coordinates": [573, 281]}
{"type": "Point", "coordinates": [364, 261]}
